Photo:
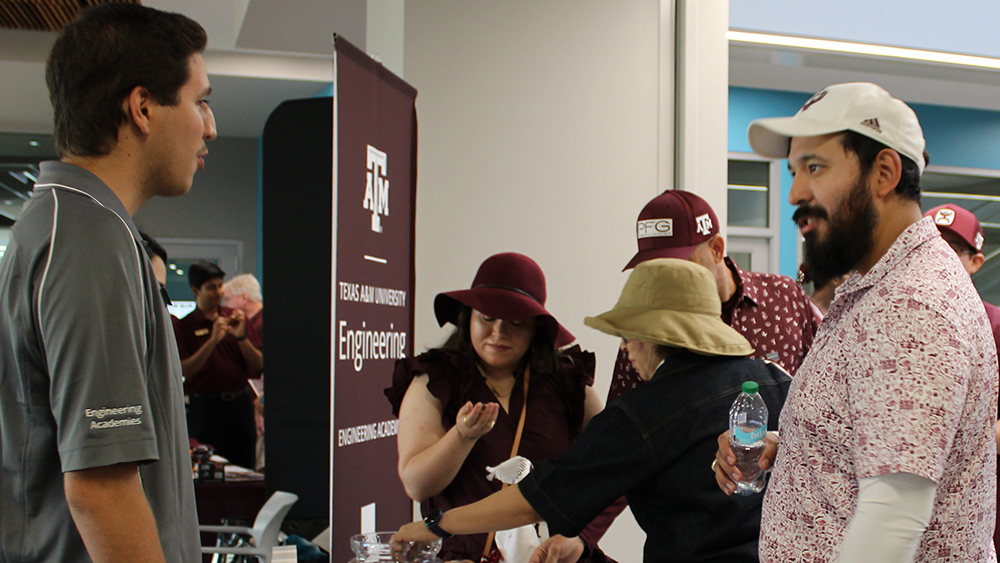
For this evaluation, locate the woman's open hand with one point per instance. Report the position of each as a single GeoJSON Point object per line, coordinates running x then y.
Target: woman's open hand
{"type": "Point", "coordinates": [475, 421]}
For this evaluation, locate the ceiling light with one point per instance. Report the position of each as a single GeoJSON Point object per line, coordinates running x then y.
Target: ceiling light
{"type": "Point", "coordinates": [33, 143]}
{"type": "Point", "coordinates": [863, 49]}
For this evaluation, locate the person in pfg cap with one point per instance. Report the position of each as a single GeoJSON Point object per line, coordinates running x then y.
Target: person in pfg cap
{"type": "Point", "coordinates": [769, 310]}
{"type": "Point", "coordinates": [887, 448]}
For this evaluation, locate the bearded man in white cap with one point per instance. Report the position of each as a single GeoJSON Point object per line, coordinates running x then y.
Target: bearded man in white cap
{"type": "Point", "coordinates": [887, 449]}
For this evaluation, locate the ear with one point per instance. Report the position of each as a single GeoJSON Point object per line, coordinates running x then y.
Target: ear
{"type": "Point", "coordinates": [887, 170]}
{"type": "Point", "coordinates": [137, 107]}
{"type": "Point", "coordinates": [718, 247]}
{"type": "Point", "coordinates": [977, 262]}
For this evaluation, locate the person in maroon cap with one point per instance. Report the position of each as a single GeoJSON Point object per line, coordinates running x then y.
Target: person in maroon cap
{"type": "Point", "coordinates": [960, 228]}
{"type": "Point", "coordinates": [460, 406]}
{"type": "Point", "coordinates": [769, 310]}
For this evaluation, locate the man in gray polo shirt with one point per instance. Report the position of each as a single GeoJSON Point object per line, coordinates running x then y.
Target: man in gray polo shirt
{"type": "Point", "coordinates": [93, 442]}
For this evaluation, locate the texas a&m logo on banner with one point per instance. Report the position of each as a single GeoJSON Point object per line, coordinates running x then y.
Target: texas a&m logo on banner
{"type": "Point", "coordinates": [377, 187]}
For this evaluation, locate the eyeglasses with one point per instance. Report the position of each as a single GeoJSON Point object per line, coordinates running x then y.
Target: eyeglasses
{"type": "Point", "coordinates": [960, 249]}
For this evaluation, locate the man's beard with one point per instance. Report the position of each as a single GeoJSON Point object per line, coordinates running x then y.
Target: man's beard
{"type": "Point", "coordinates": [850, 234]}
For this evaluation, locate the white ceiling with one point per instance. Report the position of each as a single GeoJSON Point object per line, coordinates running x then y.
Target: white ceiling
{"type": "Point", "coordinates": [775, 68]}
{"type": "Point", "coordinates": [262, 52]}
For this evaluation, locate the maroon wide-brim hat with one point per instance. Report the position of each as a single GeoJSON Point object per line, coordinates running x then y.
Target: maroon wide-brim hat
{"type": "Point", "coordinates": [508, 286]}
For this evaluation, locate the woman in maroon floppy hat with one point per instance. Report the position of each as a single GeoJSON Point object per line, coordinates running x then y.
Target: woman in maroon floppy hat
{"type": "Point", "coordinates": [460, 406]}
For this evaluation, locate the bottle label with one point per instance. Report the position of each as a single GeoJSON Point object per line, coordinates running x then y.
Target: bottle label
{"type": "Point", "coordinates": [751, 437]}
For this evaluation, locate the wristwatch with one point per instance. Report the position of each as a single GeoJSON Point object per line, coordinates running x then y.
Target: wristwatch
{"type": "Point", "coordinates": [432, 524]}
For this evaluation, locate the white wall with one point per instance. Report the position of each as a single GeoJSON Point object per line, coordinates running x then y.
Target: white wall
{"type": "Point", "coordinates": [538, 134]}
{"type": "Point", "coordinates": [384, 33]}
{"type": "Point", "coordinates": [222, 203]}
{"type": "Point", "coordinates": [537, 129]}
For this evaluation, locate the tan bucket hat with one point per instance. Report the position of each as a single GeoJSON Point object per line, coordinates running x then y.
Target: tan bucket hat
{"type": "Point", "coordinates": [672, 302]}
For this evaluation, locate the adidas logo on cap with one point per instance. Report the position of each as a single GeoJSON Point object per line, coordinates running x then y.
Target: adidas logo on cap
{"type": "Point", "coordinates": [872, 123]}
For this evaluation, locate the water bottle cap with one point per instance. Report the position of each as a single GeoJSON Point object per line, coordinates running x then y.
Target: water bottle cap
{"type": "Point", "coordinates": [750, 387]}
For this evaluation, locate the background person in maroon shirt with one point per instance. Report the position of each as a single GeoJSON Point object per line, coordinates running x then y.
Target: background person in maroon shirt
{"type": "Point", "coordinates": [217, 359]}
{"type": "Point", "coordinates": [770, 311]}
{"type": "Point", "coordinates": [243, 293]}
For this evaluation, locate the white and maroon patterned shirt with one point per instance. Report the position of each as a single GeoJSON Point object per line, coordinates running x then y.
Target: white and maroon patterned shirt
{"type": "Point", "coordinates": [770, 311]}
{"type": "Point", "coordinates": [902, 377]}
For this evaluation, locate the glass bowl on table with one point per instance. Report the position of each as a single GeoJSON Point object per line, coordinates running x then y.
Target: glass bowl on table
{"type": "Point", "coordinates": [377, 548]}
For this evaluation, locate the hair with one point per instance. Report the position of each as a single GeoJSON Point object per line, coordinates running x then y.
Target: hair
{"type": "Point", "coordinates": [245, 283]}
{"type": "Point", "coordinates": [867, 149]}
{"type": "Point", "coordinates": [541, 355]}
{"type": "Point", "coordinates": [154, 246]}
{"type": "Point", "coordinates": [105, 53]}
{"type": "Point", "coordinates": [201, 272]}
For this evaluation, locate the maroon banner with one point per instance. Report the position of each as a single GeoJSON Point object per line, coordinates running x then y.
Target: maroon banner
{"type": "Point", "coordinates": [375, 196]}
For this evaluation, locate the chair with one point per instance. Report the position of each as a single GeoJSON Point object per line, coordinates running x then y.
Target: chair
{"type": "Point", "coordinates": [263, 534]}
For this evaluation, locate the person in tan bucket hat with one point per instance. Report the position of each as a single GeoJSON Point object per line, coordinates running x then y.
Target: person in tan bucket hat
{"type": "Point", "coordinates": [666, 304]}
{"type": "Point", "coordinates": [655, 443]}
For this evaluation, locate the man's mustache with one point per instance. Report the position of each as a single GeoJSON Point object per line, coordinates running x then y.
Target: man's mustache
{"type": "Point", "coordinates": [809, 211]}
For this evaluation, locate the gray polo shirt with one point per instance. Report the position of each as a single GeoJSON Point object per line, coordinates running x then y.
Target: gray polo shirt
{"type": "Point", "coordinates": [89, 370]}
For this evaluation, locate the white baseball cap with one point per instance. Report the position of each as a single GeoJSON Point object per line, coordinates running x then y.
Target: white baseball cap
{"type": "Point", "coordinates": [861, 107]}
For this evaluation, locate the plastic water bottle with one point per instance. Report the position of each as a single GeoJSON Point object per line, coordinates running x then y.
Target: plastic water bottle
{"type": "Point", "coordinates": [747, 429]}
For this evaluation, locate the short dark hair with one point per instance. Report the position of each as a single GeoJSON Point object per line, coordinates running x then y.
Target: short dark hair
{"type": "Point", "coordinates": [541, 354]}
{"type": "Point", "coordinates": [153, 246]}
{"type": "Point", "coordinates": [867, 149]}
{"type": "Point", "coordinates": [101, 56]}
{"type": "Point", "coordinates": [201, 272]}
